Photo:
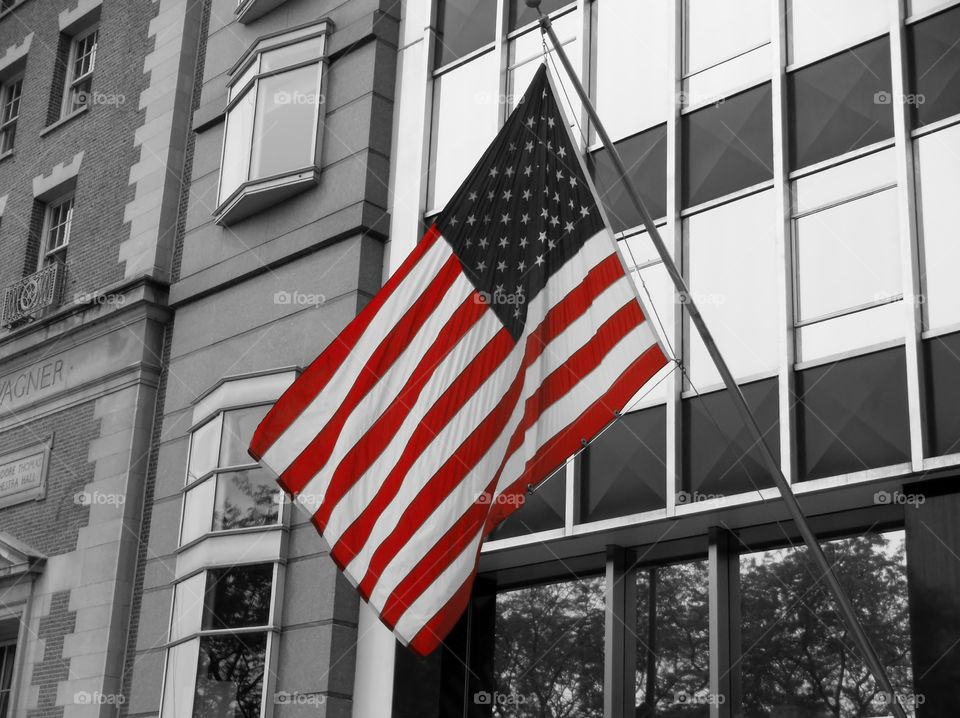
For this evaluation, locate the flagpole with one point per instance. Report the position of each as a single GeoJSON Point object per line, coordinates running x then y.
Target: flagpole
{"type": "Point", "coordinates": [847, 611]}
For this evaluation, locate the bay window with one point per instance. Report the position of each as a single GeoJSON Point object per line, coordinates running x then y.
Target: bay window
{"type": "Point", "coordinates": [271, 147]}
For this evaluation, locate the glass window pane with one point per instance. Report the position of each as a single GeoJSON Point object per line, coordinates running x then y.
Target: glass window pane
{"type": "Point", "coordinates": [179, 679]}
{"type": "Point", "coordinates": [848, 179]}
{"type": "Point", "coordinates": [732, 268]}
{"type": "Point", "coordinates": [246, 498]}
{"type": "Point", "coordinates": [719, 29]}
{"type": "Point", "coordinates": [521, 14]}
{"type": "Point", "coordinates": [463, 26]}
{"type": "Point", "coordinates": [548, 655]}
{"type": "Point", "coordinates": [238, 597]}
{"type": "Point", "coordinates": [236, 147]}
{"type": "Point", "coordinates": [942, 355]}
{"type": "Point", "coordinates": [847, 332]}
{"type": "Point", "coordinates": [526, 55]}
{"type": "Point", "coordinates": [840, 104]}
{"type": "Point", "coordinates": [520, 78]}
{"type": "Point", "coordinates": [638, 250]}
{"type": "Point", "coordinates": [188, 598]}
{"type": "Point", "coordinates": [938, 157]}
{"type": "Point", "coordinates": [645, 157]}
{"type": "Point", "coordinates": [243, 79]}
{"type": "Point", "coordinates": [848, 255]}
{"type": "Point", "coordinates": [624, 470]}
{"type": "Point", "coordinates": [934, 67]}
{"type": "Point", "coordinates": [284, 136]}
{"type": "Point", "coordinates": [230, 676]}
{"type": "Point", "coordinates": [541, 511]}
{"type": "Point", "coordinates": [643, 98]}
{"type": "Point", "coordinates": [673, 641]}
{"type": "Point", "coordinates": [197, 511]}
{"type": "Point", "coordinates": [833, 400]}
{"type": "Point", "coordinates": [720, 80]}
{"type": "Point", "coordinates": [727, 146]}
{"type": "Point", "coordinates": [292, 54]}
{"type": "Point", "coordinates": [819, 27]}
{"type": "Point", "coordinates": [238, 428]}
{"type": "Point", "coordinates": [720, 456]}
{"type": "Point", "coordinates": [465, 116]}
{"type": "Point", "coordinates": [797, 659]}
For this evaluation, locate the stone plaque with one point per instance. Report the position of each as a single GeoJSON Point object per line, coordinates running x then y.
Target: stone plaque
{"type": "Point", "coordinates": [23, 474]}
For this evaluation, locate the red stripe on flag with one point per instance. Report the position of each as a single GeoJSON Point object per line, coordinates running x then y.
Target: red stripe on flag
{"type": "Point", "coordinates": [362, 454]}
{"type": "Point", "coordinates": [303, 391]}
{"type": "Point", "coordinates": [434, 631]}
{"type": "Point", "coordinates": [316, 453]}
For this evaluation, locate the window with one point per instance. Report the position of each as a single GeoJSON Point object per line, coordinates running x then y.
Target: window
{"type": "Point", "coordinates": [820, 27]}
{"type": "Point", "coordinates": [541, 510]}
{"type": "Point", "coordinates": [833, 399]}
{"type": "Point", "coordinates": [796, 657]}
{"type": "Point", "coordinates": [840, 104]}
{"type": "Point", "coordinates": [9, 112]}
{"type": "Point", "coordinates": [464, 26]}
{"type": "Point", "coordinates": [938, 186]}
{"type": "Point", "coordinates": [7, 654]}
{"type": "Point", "coordinates": [227, 489]}
{"type": "Point", "coordinates": [4, 6]}
{"type": "Point", "coordinates": [272, 133]}
{"type": "Point", "coordinates": [727, 146]}
{"type": "Point", "coordinates": [80, 66]}
{"type": "Point", "coordinates": [934, 72]}
{"type": "Point", "coordinates": [847, 257]}
{"type": "Point", "coordinates": [943, 386]}
{"type": "Point", "coordinates": [58, 219]}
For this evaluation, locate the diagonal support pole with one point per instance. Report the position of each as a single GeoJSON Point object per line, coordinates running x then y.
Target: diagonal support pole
{"type": "Point", "coordinates": [867, 651]}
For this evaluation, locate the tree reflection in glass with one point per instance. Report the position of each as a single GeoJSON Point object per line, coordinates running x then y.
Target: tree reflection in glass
{"type": "Point", "coordinates": [238, 597]}
{"type": "Point", "coordinates": [245, 498]}
{"type": "Point", "coordinates": [548, 659]}
{"type": "Point", "coordinates": [230, 676]}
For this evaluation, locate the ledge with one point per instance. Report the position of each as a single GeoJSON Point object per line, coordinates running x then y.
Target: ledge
{"type": "Point", "coordinates": [63, 121]}
{"type": "Point", "coordinates": [257, 195]}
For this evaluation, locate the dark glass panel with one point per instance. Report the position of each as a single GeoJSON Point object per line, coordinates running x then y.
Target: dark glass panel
{"type": "Point", "coordinates": [797, 659]}
{"type": "Point", "coordinates": [720, 457]}
{"type": "Point", "coordinates": [541, 510]}
{"type": "Point", "coordinates": [645, 157]}
{"type": "Point", "coordinates": [520, 14]}
{"type": "Point", "coordinates": [673, 641]}
{"type": "Point", "coordinates": [245, 498]}
{"type": "Point", "coordinates": [727, 146]}
{"type": "Point", "coordinates": [935, 67]}
{"type": "Point", "coordinates": [624, 470]}
{"type": "Point", "coordinates": [238, 597]}
{"type": "Point", "coordinates": [463, 26]}
{"type": "Point", "coordinates": [548, 653]}
{"type": "Point", "coordinates": [852, 415]}
{"type": "Point", "coordinates": [942, 356]}
{"type": "Point", "coordinates": [230, 676]}
{"type": "Point", "coordinates": [840, 104]}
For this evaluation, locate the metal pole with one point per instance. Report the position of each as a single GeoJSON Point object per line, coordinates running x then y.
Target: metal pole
{"type": "Point", "coordinates": [869, 654]}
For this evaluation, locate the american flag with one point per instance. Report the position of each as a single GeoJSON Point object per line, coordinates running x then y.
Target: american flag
{"type": "Point", "coordinates": [508, 337]}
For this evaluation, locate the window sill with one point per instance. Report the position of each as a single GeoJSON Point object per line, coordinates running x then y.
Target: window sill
{"type": "Point", "coordinates": [63, 121]}
{"type": "Point", "coordinates": [250, 10]}
{"type": "Point", "coordinates": [6, 155]}
{"type": "Point", "coordinates": [258, 195]}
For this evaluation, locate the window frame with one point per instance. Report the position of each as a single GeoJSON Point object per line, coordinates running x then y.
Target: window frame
{"type": "Point", "coordinates": [7, 691]}
{"type": "Point", "coordinates": [72, 81]}
{"type": "Point", "coordinates": [245, 78]}
{"type": "Point", "coordinates": [8, 126]}
{"type": "Point", "coordinates": [48, 255]}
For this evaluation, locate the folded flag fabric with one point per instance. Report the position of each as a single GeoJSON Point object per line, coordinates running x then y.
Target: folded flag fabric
{"type": "Point", "coordinates": [508, 337]}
